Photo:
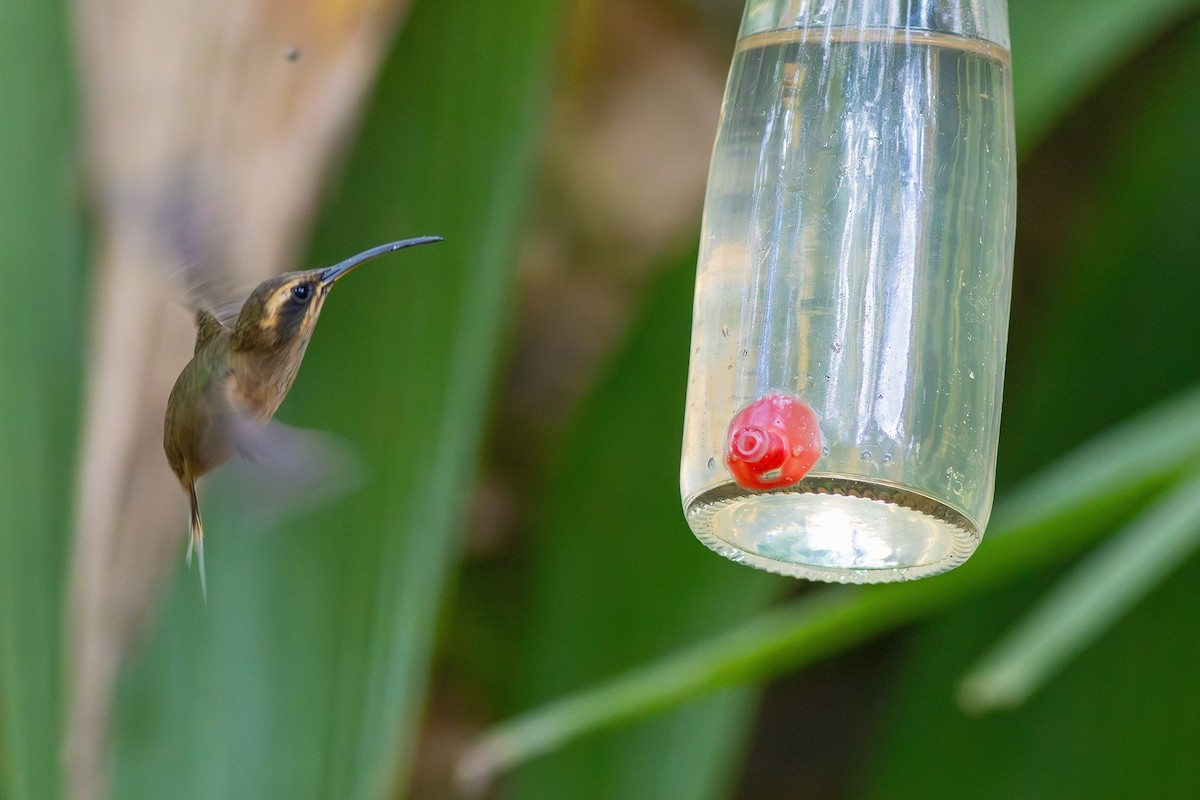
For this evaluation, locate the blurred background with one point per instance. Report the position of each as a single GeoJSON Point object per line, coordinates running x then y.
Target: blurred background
{"type": "Point", "coordinates": [515, 399]}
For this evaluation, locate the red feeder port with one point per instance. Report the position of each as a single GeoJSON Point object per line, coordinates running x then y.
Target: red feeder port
{"type": "Point", "coordinates": [773, 442]}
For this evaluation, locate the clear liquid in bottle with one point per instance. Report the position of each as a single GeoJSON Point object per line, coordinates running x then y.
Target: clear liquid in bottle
{"type": "Point", "coordinates": [856, 253]}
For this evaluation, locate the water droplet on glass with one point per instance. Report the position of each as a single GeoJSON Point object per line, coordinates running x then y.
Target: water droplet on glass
{"type": "Point", "coordinates": [712, 463]}
{"type": "Point", "coordinates": [865, 455]}
{"type": "Point", "coordinates": [724, 330]}
{"type": "Point", "coordinates": [971, 374]}
{"type": "Point", "coordinates": [886, 457]}
{"type": "Point", "coordinates": [825, 450]}
{"type": "Point", "coordinates": [837, 347]}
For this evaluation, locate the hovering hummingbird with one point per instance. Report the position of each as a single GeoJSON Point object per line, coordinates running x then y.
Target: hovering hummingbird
{"type": "Point", "coordinates": [229, 391]}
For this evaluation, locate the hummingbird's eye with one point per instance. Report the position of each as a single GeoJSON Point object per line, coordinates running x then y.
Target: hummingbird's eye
{"type": "Point", "coordinates": [301, 293]}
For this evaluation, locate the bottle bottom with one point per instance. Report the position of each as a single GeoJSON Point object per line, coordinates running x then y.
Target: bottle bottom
{"type": "Point", "coordinates": [833, 528]}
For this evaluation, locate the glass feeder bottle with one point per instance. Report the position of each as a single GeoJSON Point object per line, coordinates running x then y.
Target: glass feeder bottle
{"type": "Point", "coordinates": [852, 292]}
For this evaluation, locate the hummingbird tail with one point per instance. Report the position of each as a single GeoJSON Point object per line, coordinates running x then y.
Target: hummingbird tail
{"type": "Point", "coordinates": [196, 539]}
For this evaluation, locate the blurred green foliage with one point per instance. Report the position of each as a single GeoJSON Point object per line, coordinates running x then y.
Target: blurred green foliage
{"type": "Point", "coordinates": [1121, 333]}
{"type": "Point", "coordinates": [308, 674]}
{"type": "Point", "coordinates": [40, 344]}
{"type": "Point", "coordinates": [1079, 362]}
{"type": "Point", "coordinates": [313, 655]}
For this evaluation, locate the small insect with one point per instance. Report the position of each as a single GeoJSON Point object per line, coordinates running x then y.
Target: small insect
{"type": "Point", "coordinates": [773, 442]}
{"type": "Point", "coordinates": [229, 391]}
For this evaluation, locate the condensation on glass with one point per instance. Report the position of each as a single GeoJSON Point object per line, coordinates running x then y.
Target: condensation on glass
{"type": "Point", "coordinates": [852, 293]}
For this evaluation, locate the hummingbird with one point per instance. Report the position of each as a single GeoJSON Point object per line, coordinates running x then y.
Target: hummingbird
{"type": "Point", "coordinates": [229, 391]}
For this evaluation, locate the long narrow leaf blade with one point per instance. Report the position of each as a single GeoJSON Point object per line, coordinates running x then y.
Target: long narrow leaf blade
{"type": "Point", "coordinates": [39, 362]}
{"type": "Point", "coordinates": [1035, 525]}
{"type": "Point", "coordinates": [1084, 604]}
{"type": "Point", "coordinates": [466, 97]}
{"type": "Point", "coordinates": [1064, 48]}
{"type": "Point", "coordinates": [636, 554]}
{"type": "Point", "coordinates": [575, 644]}
{"type": "Point", "coordinates": [1116, 333]}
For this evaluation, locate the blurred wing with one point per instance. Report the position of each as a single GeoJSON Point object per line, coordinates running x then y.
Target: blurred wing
{"type": "Point", "coordinates": [284, 472]}
{"type": "Point", "coordinates": [196, 247]}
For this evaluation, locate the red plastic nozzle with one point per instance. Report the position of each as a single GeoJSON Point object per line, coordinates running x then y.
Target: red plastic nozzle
{"type": "Point", "coordinates": [773, 442]}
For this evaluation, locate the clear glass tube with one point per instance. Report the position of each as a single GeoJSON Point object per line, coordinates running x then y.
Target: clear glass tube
{"type": "Point", "coordinates": [852, 293]}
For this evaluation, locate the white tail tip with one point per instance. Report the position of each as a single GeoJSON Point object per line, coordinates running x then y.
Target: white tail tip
{"type": "Point", "coordinates": [200, 561]}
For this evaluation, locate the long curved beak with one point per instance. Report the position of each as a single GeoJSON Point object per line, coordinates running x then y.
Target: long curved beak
{"type": "Point", "coordinates": [331, 274]}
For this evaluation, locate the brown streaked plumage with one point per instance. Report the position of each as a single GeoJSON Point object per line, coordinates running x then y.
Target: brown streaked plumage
{"type": "Point", "coordinates": [238, 376]}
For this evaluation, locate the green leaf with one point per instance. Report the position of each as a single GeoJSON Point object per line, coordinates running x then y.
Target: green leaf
{"type": "Point", "coordinates": [306, 678]}
{"type": "Point", "coordinates": [39, 363]}
{"type": "Point", "coordinates": [1066, 48]}
{"type": "Point", "coordinates": [466, 165]}
{"type": "Point", "coordinates": [582, 643]}
{"type": "Point", "coordinates": [1121, 333]}
{"type": "Point", "coordinates": [1084, 604]}
{"type": "Point", "coordinates": [1045, 521]}
{"type": "Point", "coordinates": [617, 576]}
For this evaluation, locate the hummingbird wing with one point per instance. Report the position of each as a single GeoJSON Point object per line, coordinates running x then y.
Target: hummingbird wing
{"type": "Point", "coordinates": [196, 244]}
{"type": "Point", "coordinates": [285, 472]}
{"type": "Point", "coordinates": [213, 296]}
{"type": "Point", "coordinates": [225, 311]}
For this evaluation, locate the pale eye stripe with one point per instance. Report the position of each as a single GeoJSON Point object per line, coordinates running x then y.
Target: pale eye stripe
{"type": "Point", "coordinates": [270, 315]}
